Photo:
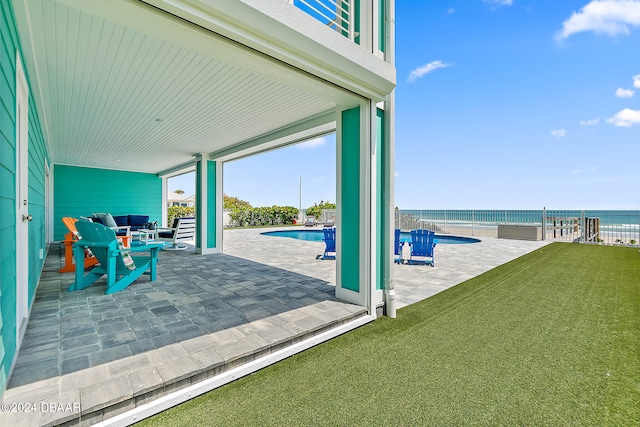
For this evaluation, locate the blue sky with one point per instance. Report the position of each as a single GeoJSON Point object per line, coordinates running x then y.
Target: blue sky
{"type": "Point", "coordinates": [500, 104]}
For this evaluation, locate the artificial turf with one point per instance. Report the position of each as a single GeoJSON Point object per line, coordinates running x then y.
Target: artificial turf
{"type": "Point", "coordinates": [551, 338]}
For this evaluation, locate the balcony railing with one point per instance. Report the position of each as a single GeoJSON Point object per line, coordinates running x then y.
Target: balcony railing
{"type": "Point", "coordinates": [336, 14]}
{"type": "Point", "coordinates": [346, 17]}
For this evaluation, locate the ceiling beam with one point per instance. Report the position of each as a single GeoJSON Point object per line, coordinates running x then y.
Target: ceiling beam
{"type": "Point", "coordinates": [315, 127]}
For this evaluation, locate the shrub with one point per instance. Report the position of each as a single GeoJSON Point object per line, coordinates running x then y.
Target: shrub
{"type": "Point", "coordinates": [179, 212]}
{"type": "Point", "coordinates": [235, 203]}
{"type": "Point", "coordinates": [274, 215]}
{"type": "Point", "coordinates": [316, 209]}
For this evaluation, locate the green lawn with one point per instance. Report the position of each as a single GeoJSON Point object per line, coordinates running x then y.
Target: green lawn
{"type": "Point", "coordinates": [552, 338]}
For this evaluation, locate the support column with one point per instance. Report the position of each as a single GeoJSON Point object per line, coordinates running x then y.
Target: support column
{"type": "Point", "coordinates": [387, 45]}
{"type": "Point", "coordinates": [387, 221]}
{"type": "Point", "coordinates": [382, 209]}
{"type": "Point", "coordinates": [354, 281]}
{"type": "Point", "coordinates": [364, 262]}
{"type": "Point", "coordinates": [165, 203]}
{"type": "Point", "coordinates": [208, 206]}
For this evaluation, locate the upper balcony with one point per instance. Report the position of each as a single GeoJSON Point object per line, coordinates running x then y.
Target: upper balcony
{"type": "Point", "coordinates": [345, 42]}
{"type": "Point", "coordinates": [346, 17]}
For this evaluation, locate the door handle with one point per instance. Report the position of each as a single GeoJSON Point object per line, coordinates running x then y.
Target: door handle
{"type": "Point", "coordinates": [27, 217]}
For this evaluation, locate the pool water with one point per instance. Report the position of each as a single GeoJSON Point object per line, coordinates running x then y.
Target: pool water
{"type": "Point", "coordinates": [317, 235]}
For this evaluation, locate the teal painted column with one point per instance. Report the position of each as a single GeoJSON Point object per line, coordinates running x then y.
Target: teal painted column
{"type": "Point", "coordinates": [212, 211]}
{"type": "Point", "coordinates": [365, 197]}
{"type": "Point", "coordinates": [349, 206]}
{"type": "Point", "coordinates": [356, 275]}
{"type": "Point", "coordinates": [208, 196]}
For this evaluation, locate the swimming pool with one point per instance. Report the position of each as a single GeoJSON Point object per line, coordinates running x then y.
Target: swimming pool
{"type": "Point", "coordinates": [317, 235]}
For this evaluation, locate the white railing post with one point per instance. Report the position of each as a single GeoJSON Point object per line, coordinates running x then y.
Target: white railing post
{"type": "Point", "coordinates": [364, 19]}
{"type": "Point", "coordinates": [341, 16]}
{"type": "Point", "coordinates": [375, 29]}
{"type": "Point", "coordinates": [473, 222]}
{"type": "Point", "coordinates": [544, 223]}
{"type": "Point", "coordinates": [445, 221]}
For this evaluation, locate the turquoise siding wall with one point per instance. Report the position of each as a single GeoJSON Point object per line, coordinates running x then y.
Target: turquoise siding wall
{"type": "Point", "coordinates": [7, 192]}
{"type": "Point", "coordinates": [82, 191]}
{"type": "Point", "coordinates": [9, 43]}
{"type": "Point", "coordinates": [37, 227]}
{"type": "Point", "coordinates": [350, 200]}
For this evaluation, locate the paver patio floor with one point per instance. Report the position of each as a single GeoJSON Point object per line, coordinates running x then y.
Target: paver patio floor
{"type": "Point", "coordinates": [106, 354]}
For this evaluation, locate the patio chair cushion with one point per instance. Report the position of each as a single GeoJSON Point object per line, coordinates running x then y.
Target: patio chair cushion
{"type": "Point", "coordinates": [137, 221]}
{"type": "Point", "coordinates": [121, 220]}
{"type": "Point", "coordinates": [169, 233]}
{"type": "Point", "coordinates": [105, 218]}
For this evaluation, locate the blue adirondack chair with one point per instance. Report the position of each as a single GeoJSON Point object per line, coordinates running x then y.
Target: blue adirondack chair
{"type": "Point", "coordinates": [423, 244]}
{"type": "Point", "coordinates": [115, 260]}
{"type": "Point", "coordinates": [329, 243]}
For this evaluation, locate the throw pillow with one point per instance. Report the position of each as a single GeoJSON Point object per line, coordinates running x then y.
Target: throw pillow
{"type": "Point", "coordinates": [106, 218]}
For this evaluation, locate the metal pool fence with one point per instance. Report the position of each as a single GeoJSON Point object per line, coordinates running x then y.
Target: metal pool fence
{"type": "Point", "coordinates": [594, 226]}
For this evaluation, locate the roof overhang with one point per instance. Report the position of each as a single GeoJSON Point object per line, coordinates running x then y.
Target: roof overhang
{"type": "Point", "coordinates": [127, 85]}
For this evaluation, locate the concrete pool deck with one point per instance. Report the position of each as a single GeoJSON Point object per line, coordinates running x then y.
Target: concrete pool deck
{"type": "Point", "coordinates": [453, 263]}
{"type": "Point", "coordinates": [103, 355]}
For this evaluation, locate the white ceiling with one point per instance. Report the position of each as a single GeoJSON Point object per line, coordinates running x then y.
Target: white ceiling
{"type": "Point", "coordinates": [147, 92]}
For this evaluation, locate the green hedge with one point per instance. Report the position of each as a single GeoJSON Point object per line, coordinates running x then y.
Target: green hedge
{"type": "Point", "coordinates": [179, 212]}
{"type": "Point", "coordinates": [316, 209]}
{"type": "Point", "coordinates": [274, 215]}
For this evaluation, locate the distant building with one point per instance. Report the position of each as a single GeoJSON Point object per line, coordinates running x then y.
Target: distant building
{"type": "Point", "coordinates": [177, 199]}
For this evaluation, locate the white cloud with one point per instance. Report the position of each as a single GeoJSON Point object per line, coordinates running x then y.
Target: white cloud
{"type": "Point", "coordinates": [580, 170]}
{"type": "Point", "coordinates": [558, 133]}
{"type": "Point", "coordinates": [313, 143]}
{"type": "Point", "coordinates": [591, 122]}
{"type": "Point", "coordinates": [451, 11]}
{"type": "Point", "coordinates": [636, 81]}
{"type": "Point", "coordinates": [624, 93]}
{"type": "Point", "coordinates": [603, 16]}
{"type": "Point", "coordinates": [625, 118]}
{"type": "Point", "coordinates": [499, 2]}
{"type": "Point", "coordinates": [427, 68]}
